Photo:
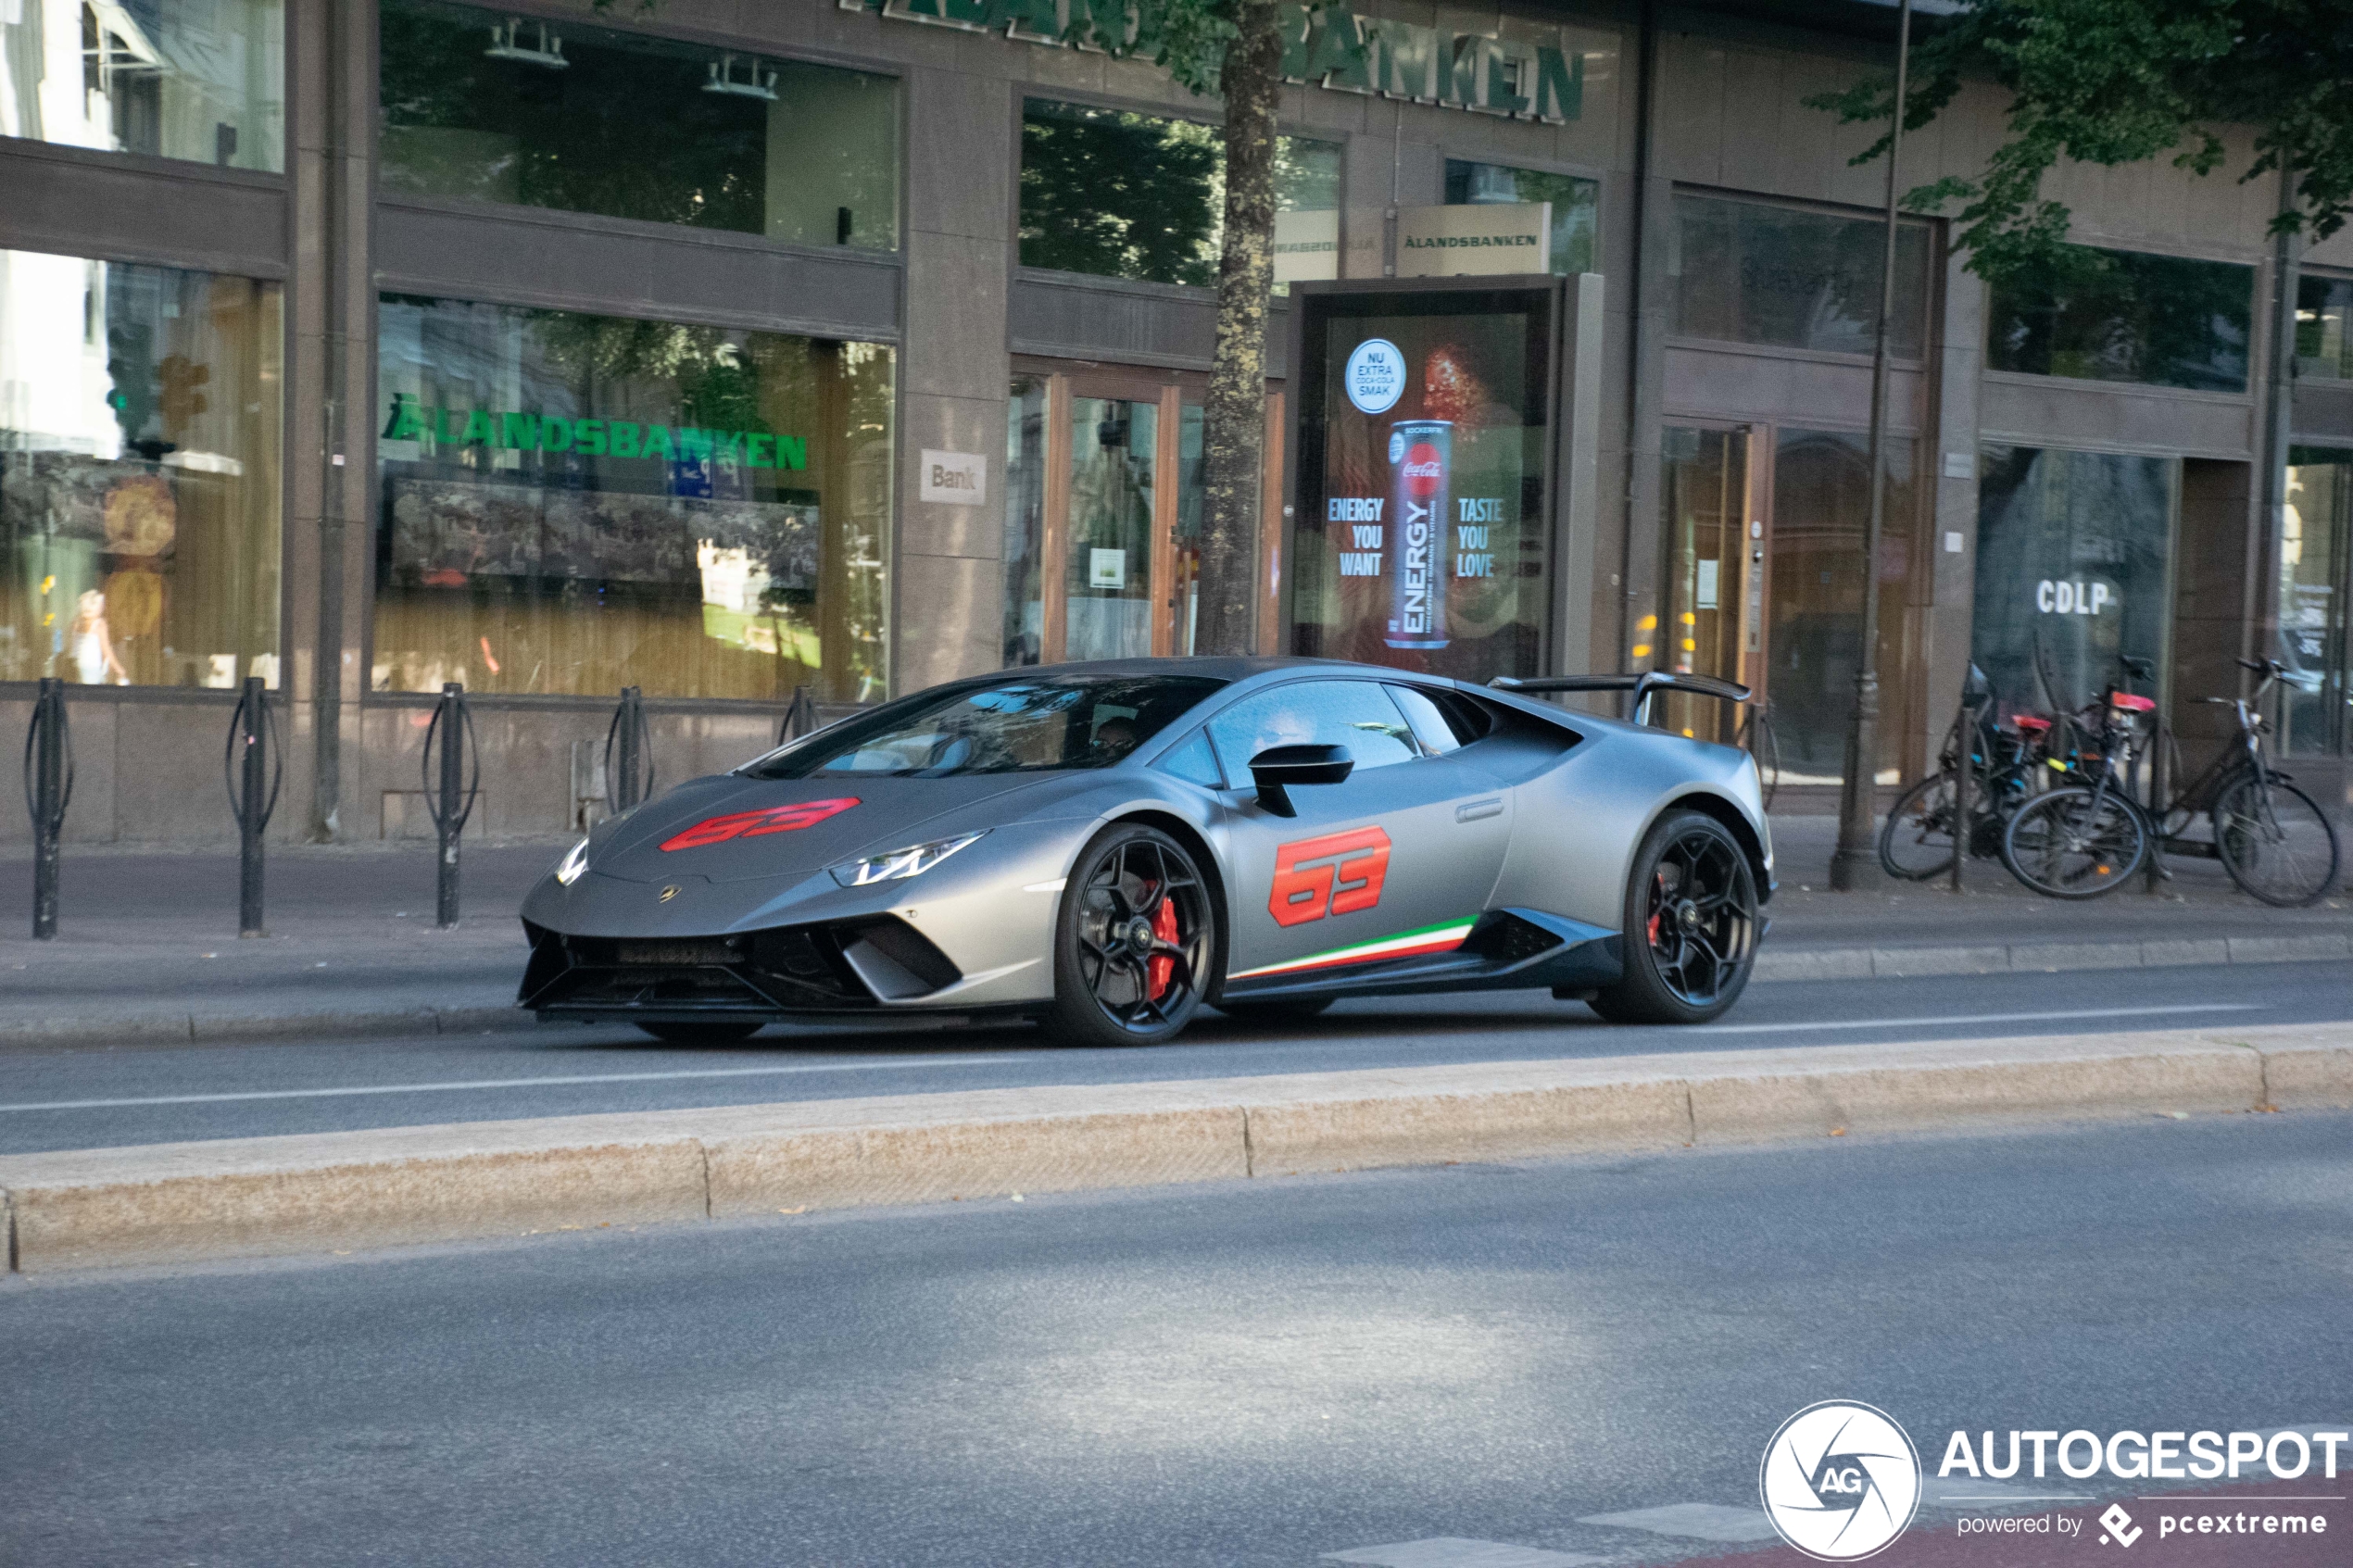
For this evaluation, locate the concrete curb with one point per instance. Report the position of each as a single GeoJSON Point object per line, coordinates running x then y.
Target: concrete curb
{"type": "Point", "coordinates": [179, 1202]}
{"type": "Point", "coordinates": [2044, 957]}
{"type": "Point", "coordinates": [127, 1026]}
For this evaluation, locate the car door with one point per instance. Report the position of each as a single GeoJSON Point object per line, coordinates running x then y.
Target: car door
{"type": "Point", "coordinates": [1396, 862]}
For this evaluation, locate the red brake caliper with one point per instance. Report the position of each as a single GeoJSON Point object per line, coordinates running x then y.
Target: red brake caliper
{"type": "Point", "coordinates": [1658, 902]}
{"type": "Point", "coordinates": [1160, 971]}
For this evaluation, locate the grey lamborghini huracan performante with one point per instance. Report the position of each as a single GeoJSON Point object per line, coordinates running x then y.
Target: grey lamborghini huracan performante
{"type": "Point", "coordinates": [1109, 848]}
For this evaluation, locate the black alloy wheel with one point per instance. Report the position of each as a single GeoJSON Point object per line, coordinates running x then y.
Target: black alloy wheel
{"type": "Point", "coordinates": [713, 1033]}
{"type": "Point", "coordinates": [1135, 943]}
{"type": "Point", "coordinates": [1691, 925]}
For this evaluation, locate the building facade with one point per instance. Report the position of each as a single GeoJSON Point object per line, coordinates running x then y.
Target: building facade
{"type": "Point", "coordinates": [734, 351]}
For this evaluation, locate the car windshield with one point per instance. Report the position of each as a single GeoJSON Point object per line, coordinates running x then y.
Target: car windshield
{"type": "Point", "coordinates": [1033, 725]}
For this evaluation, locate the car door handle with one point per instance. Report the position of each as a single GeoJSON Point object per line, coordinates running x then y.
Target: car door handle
{"type": "Point", "coordinates": [1478, 810]}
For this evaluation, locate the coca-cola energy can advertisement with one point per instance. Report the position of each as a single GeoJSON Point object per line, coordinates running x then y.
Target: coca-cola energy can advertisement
{"type": "Point", "coordinates": [1421, 543]}
{"type": "Point", "coordinates": [1419, 454]}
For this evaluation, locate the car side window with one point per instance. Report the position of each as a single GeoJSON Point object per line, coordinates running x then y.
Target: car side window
{"type": "Point", "coordinates": [1429, 725]}
{"type": "Point", "coordinates": [1193, 761]}
{"type": "Point", "coordinates": [1356, 714]}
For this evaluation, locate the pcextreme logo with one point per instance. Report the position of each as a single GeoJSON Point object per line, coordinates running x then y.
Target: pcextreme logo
{"type": "Point", "coordinates": [1840, 1480]}
{"type": "Point", "coordinates": [1335, 874]}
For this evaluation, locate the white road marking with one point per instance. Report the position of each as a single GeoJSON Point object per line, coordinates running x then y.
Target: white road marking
{"type": "Point", "coordinates": [1699, 1521]}
{"type": "Point", "coordinates": [1453, 1551]}
{"type": "Point", "coordinates": [1976, 1018]}
{"type": "Point", "coordinates": [515, 1083]}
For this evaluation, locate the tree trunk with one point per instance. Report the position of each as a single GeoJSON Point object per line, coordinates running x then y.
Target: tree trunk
{"type": "Point", "coordinates": [1234, 424]}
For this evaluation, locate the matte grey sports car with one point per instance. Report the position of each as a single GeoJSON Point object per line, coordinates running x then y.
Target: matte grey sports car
{"type": "Point", "coordinates": [1109, 846]}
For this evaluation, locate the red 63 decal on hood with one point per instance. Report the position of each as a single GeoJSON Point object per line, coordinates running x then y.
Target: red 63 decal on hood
{"type": "Point", "coordinates": [754, 824]}
{"type": "Point", "coordinates": [1331, 875]}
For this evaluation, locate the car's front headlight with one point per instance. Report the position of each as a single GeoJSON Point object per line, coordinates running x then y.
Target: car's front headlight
{"type": "Point", "coordinates": [899, 864]}
{"type": "Point", "coordinates": [574, 865]}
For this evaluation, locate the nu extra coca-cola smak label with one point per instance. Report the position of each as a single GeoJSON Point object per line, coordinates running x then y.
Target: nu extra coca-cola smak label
{"type": "Point", "coordinates": [1420, 460]}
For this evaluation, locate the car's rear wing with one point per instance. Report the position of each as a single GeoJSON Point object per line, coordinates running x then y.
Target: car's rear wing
{"type": "Point", "coordinates": [1645, 685]}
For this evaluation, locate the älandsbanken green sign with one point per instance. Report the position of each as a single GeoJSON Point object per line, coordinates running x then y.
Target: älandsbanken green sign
{"type": "Point", "coordinates": [510, 430]}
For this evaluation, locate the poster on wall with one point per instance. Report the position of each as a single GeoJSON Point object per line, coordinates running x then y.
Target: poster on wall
{"type": "Point", "coordinates": [1422, 479]}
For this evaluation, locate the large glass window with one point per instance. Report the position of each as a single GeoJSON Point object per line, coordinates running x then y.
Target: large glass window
{"type": "Point", "coordinates": [139, 447]}
{"type": "Point", "coordinates": [479, 104]}
{"type": "Point", "coordinates": [2323, 348]}
{"type": "Point", "coordinates": [2122, 316]}
{"type": "Point", "coordinates": [1814, 626]}
{"type": "Point", "coordinates": [1026, 521]}
{"type": "Point", "coordinates": [1576, 203]}
{"type": "Point", "coordinates": [201, 80]}
{"type": "Point", "coordinates": [580, 503]}
{"type": "Point", "coordinates": [2316, 544]}
{"type": "Point", "coordinates": [1791, 277]}
{"type": "Point", "coordinates": [2074, 554]}
{"type": "Point", "coordinates": [1132, 195]}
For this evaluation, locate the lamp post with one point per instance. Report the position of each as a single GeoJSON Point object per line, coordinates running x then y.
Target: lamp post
{"type": "Point", "coordinates": [1855, 863]}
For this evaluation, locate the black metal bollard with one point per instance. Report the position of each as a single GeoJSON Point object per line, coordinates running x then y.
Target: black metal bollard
{"type": "Point", "coordinates": [450, 797]}
{"type": "Point", "coordinates": [629, 755]}
{"type": "Point", "coordinates": [48, 790]}
{"type": "Point", "coordinates": [254, 768]}
{"type": "Point", "coordinates": [1965, 733]}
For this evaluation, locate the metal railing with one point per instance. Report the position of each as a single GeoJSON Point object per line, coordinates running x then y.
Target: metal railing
{"type": "Point", "coordinates": [629, 755]}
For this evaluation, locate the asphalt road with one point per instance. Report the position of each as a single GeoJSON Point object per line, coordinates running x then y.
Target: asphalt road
{"type": "Point", "coordinates": [1233, 1375]}
{"type": "Point", "coordinates": [94, 1097]}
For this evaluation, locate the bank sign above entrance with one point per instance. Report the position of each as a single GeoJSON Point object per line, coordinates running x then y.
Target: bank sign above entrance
{"type": "Point", "coordinates": [1541, 77]}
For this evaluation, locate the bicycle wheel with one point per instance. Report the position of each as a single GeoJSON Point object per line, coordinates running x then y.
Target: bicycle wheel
{"type": "Point", "coordinates": [2274, 841]}
{"type": "Point", "coordinates": [1916, 841]}
{"type": "Point", "coordinates": [2075, 843]}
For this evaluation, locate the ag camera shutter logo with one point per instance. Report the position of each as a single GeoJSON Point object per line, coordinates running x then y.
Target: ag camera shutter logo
{"type": "Point", "coordinates": [1839, 1481]}
{"type": "Point", "coordinates": [1376, 375]}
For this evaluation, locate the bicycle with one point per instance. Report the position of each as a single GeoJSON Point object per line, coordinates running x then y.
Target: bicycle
{"type": "Point", "coordinates": [1916, 842]}
{"type": "Point", "coordinates": [2275, 842]}
{"type": "Point", "coordinates": [2088, 837]}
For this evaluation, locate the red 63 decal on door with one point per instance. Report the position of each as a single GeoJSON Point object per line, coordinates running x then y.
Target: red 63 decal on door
{"type": "Point", "coordinates": [1331, 875]}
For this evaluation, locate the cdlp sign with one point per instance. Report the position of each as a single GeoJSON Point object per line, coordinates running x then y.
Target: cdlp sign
{"type": "Point", "coordinates": [2073, 596]}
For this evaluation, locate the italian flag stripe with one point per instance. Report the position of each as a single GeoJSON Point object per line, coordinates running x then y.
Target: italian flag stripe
{"type": "Point", "coordinates": [1441, 939]}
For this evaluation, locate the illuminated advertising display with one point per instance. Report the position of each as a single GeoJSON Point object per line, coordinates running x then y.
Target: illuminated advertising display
{"type": "Point", "coordinates": [1423, 477]}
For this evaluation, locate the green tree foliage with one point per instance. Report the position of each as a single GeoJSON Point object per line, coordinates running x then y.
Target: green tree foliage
{"type": "Point", "coordinates": [2120, 82]}
{"type": "Point", "coordinates": [1119, 194]}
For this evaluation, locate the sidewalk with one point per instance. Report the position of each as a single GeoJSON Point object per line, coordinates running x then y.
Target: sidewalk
{"type": "Point", "coordinates": [148, 948]}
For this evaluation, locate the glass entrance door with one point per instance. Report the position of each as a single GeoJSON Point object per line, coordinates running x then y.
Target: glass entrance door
{"type": "Point", "coordinates": [1714, 571]}
{"type": "Point", "coordinates": [1103, 517]}
{"type": "Point", "coordinates": [1107, 586]}
{"type": "Point", "coordinates": [1764, 570]}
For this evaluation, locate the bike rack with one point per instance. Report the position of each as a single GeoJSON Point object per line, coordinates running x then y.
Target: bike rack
{"type": "Point", "coordinates": [48, 790]}
{"type": "Point", "coordinates": [800, 719]}
{"type": "Point", "coordinates": [629, 736]}
{"type": "Point", "coordinates": [450, 800]}
{"type": "Point", "coordinates": [254, 755]}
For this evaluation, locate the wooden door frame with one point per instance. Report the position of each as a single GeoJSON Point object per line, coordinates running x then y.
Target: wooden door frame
{"type": "Point", "coordinates": [1168, 391]}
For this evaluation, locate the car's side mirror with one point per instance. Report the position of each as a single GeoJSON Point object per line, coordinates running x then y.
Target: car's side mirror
{"type": "Point", "coordinates": [1279, 769]}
